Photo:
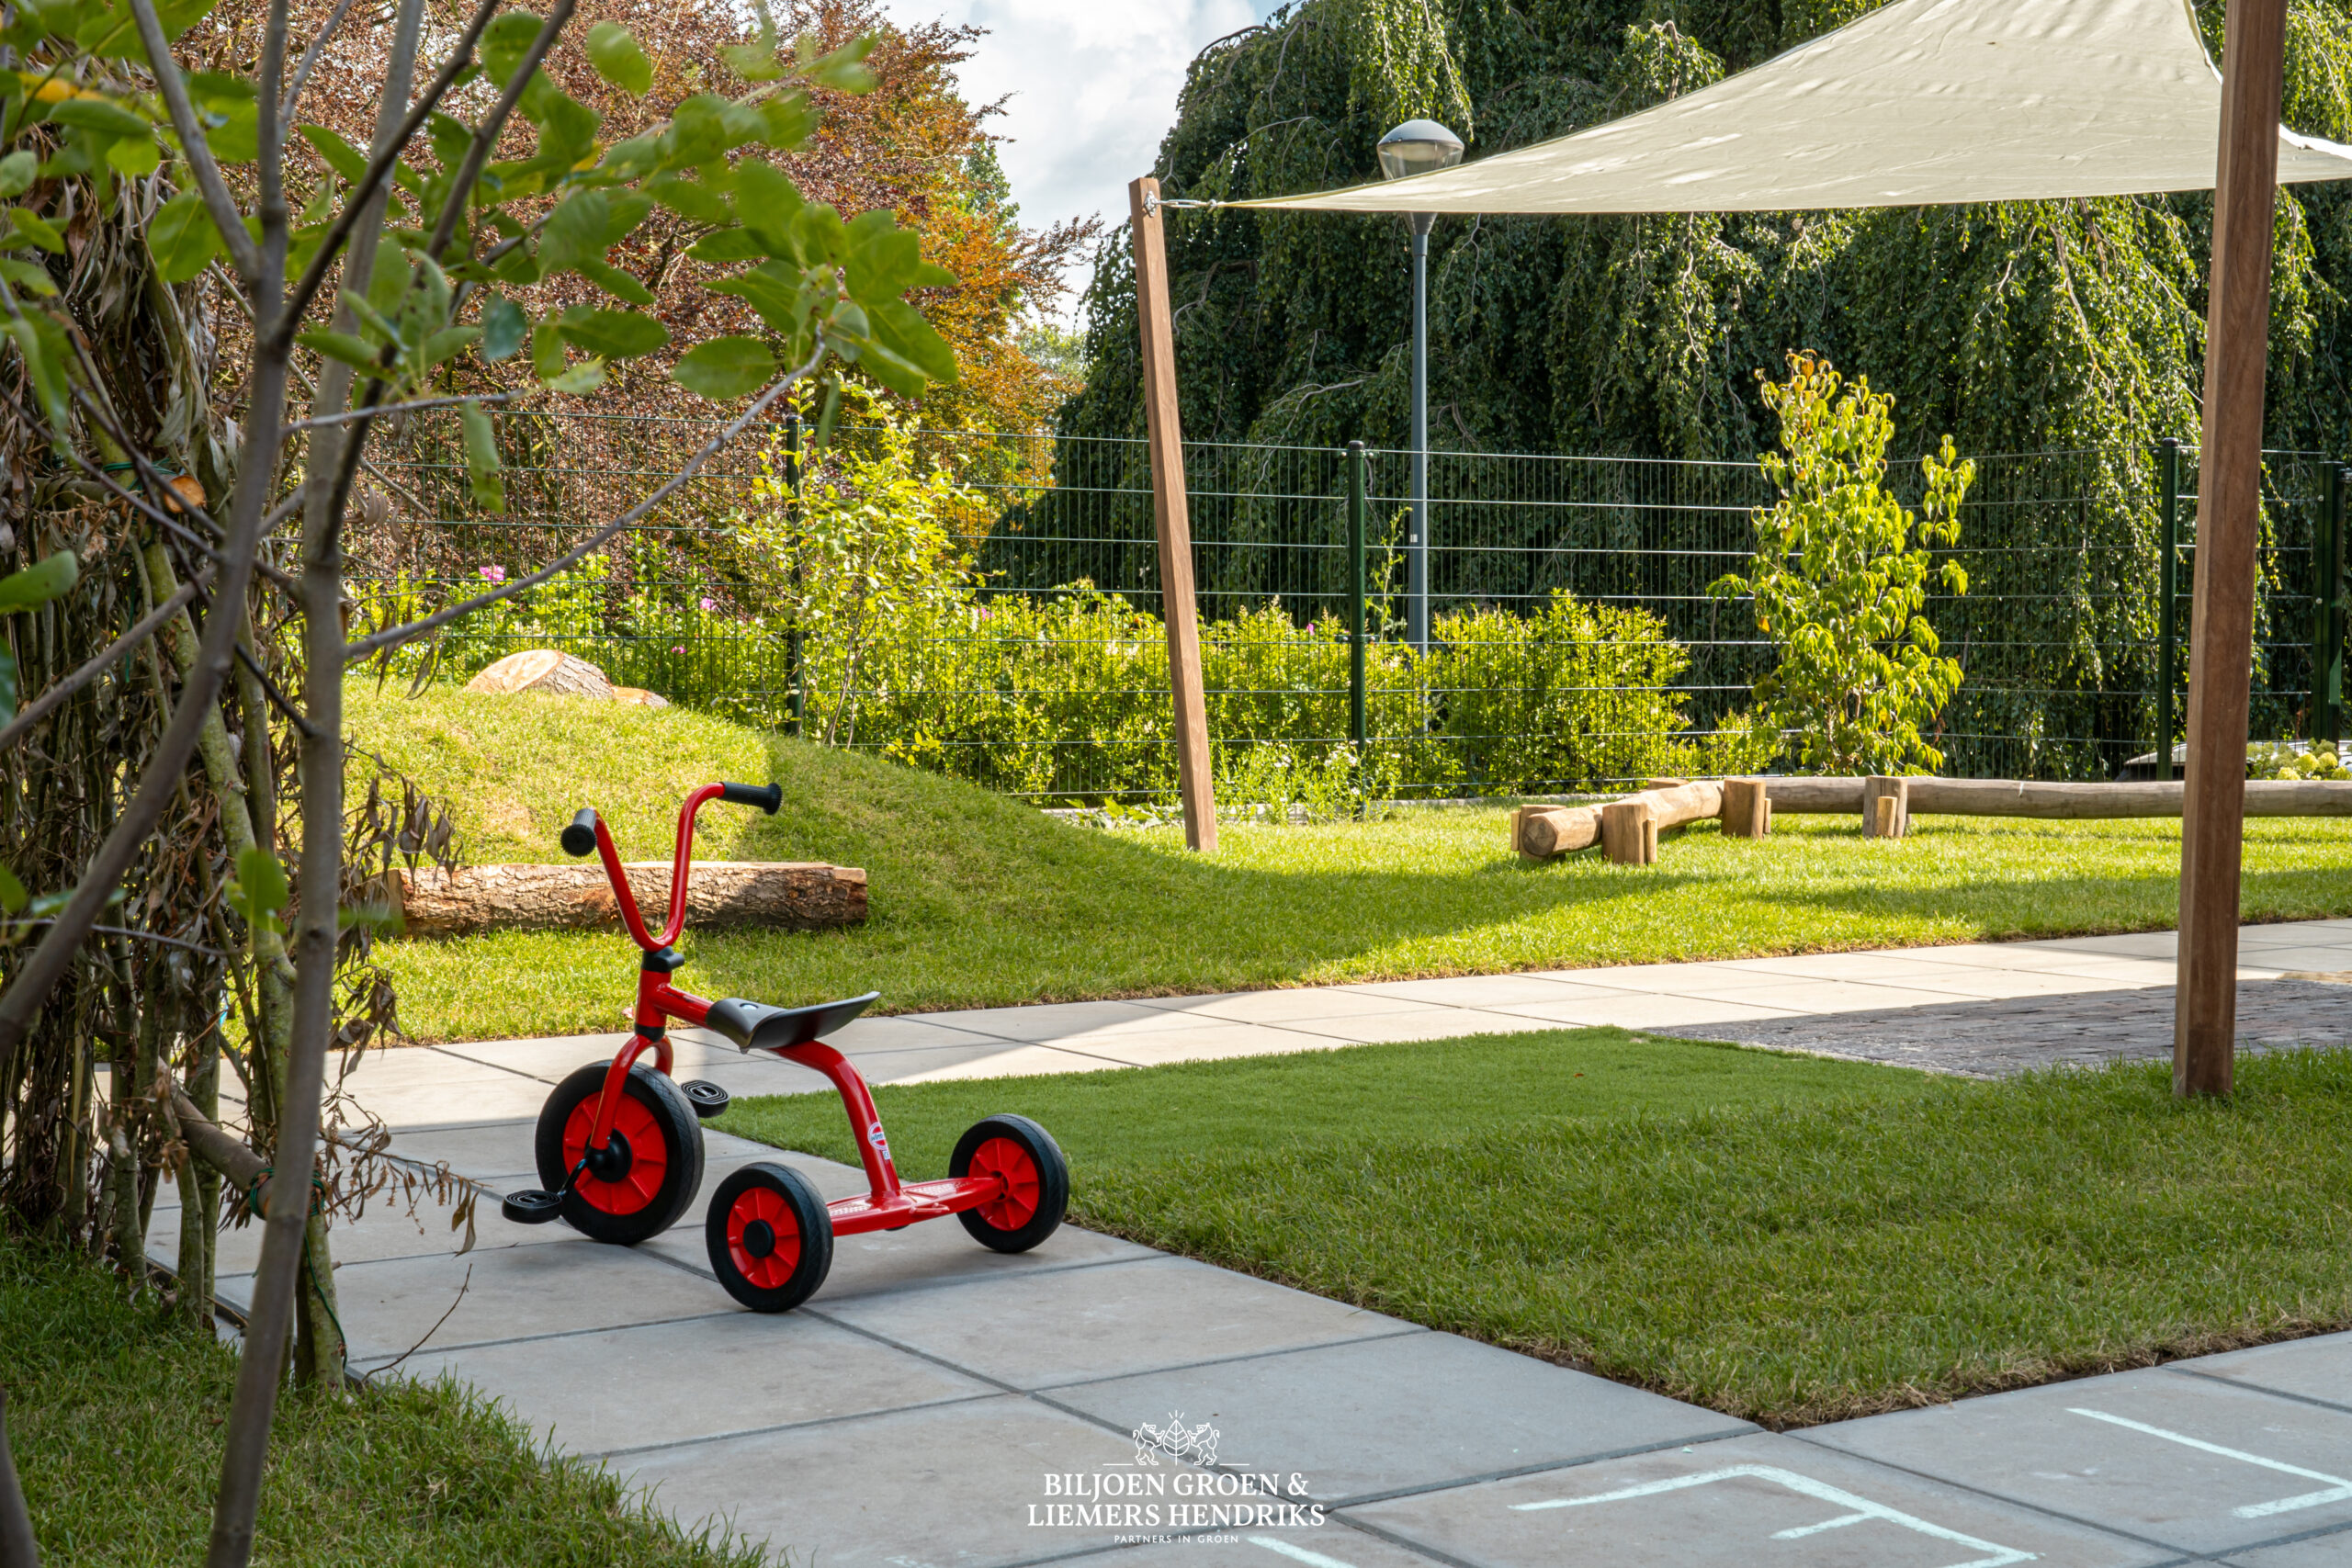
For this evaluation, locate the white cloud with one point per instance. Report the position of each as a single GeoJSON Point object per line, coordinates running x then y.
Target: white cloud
{"type": "Point", "coordinates": [1090, 87]}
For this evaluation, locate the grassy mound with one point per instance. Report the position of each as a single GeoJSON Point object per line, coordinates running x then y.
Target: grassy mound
{"type": "Point", "coordinates": [978, 900]}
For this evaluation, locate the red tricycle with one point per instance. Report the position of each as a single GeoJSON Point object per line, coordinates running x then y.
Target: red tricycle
{"type": "Point", "coordinates": [619, 1143]}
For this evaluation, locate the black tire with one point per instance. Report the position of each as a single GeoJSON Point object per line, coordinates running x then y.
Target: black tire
{"type": "Point", "coordinates": [1038, 1191]}
{"type": "Point", "coordinates": [770, 1236]}
{"type": "Point", "coordinates": [664, 1141]}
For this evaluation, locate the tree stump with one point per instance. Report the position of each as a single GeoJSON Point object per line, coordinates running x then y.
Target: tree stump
{"type": "Point", "coordinates": [543, 670]}
{"type": "Point", "coordinates": [1628, 831]}
{"type": "Point", "coordinates": [1886, 807]}
{"type": "Point", "coordinates": [1747, 809]}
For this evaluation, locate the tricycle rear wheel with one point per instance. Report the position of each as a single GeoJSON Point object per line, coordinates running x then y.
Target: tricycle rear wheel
{"type": "Point", "coordinates": [1035, 1176]}
{"type": "Point", "coordinates": [770, 1236]}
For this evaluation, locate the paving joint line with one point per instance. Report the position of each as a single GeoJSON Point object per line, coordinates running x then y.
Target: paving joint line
{"type": "Point", "coordinates": [555, 1334]}
{"type": "Point", "coordinates": [1406, 1332]}
{"type": "Point", "coordinates": [2188, 1371]}
{"type": "Point", "coordinates": [700, 1438]}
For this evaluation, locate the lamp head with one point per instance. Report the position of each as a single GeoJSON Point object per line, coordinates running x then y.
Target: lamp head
{"type": "Point", "coordinates": [1418, 147]}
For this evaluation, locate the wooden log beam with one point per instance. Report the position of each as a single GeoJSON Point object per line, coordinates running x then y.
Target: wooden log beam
{"type": "Point", "coordinates": [2229, 525]}
{"type": "Point", "coordinates": [1814, 797]}
{"type": "Point", "coordinates": [1174, 526]}
{"type": "Point", "coordinates": [793, 895]}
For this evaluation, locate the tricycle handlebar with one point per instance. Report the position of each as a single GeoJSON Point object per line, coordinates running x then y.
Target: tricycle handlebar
{"type": "Point", "coordinates": [587, 832]}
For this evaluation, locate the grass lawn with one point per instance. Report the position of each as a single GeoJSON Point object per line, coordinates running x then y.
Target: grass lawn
{"type": "Point", "coordinates": [114, 1417]}
{"type": "Point", "coordinates": [1781, 1238]}
{"type": "Point", "coordinates": [978, 900]}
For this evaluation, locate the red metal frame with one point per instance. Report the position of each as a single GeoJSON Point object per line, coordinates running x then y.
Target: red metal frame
{"type": "Point", "coordinates": [892, 1204]}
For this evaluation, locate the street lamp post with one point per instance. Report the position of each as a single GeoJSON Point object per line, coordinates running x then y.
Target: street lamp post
{"type": "Point", "coordinates": [1420, 147]}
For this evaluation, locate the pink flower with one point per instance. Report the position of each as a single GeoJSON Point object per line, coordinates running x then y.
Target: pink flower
{"type": "Point", "coordinates": [493, 574]}
{"type": "Point", "coordinates": [681, 649]}
{"type": "Point", "coordinates": [709, 605]}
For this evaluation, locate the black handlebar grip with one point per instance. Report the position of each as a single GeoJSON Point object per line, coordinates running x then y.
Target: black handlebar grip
{"type": "Point", "coordinates": [767, 797]}
{"type": "Point", "coordinates": [580, 838]}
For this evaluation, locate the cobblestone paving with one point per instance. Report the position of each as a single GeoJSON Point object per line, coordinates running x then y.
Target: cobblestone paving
{"type": "Point", "coordinates": [1994, 1039]}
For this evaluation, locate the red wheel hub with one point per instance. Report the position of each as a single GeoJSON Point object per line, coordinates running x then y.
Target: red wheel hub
{"type": "Point", "coordinates": [1008, 1161]}
{"type": "Point", "coordinates": [762, 1238]}
{"type": "Point", "coordinates": [649, 1156]}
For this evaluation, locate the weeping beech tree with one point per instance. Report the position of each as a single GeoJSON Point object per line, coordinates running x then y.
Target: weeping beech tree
{"type": "Point", "coordinates": [2020, 327]}
{"type": "Point", "coordinates": [174, 612]}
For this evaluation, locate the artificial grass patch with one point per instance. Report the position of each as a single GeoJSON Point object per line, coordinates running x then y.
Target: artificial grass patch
{"type": "Point", "coordinates": [114, 1416]}
{"type": "Point", "coordinates": [1785, 1250]}
{"type": "Point", "coordinates": [978, 900]}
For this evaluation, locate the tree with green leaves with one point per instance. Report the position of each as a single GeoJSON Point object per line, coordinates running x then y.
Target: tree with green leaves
{"type": "Point", "coordinates": [213, 482]}
{"type": "Point", "coordinates": [1840, 576]}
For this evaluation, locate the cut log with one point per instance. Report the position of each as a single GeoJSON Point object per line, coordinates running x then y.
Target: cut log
{"type": "Point", "coordinates": [1814, 796]}
{"type": "Point", "coordinates": [1687, 802]}
{"type": "Point", "coordinates": [791, 895]}
{"type": "Point", "coordinates": [1547, 831]}
{"type": "Point", "coordinates": [545, 671]}
{"type": "Point", "coordinates": [640, 697]}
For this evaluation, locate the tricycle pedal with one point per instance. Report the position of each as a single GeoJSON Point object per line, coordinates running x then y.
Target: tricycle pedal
{"type": "Point", "coordinates": [531, 1205]}
{"type": "Point", "coordinates": [707, 1099]}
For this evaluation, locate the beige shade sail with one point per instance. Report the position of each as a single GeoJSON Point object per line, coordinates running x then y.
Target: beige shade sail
{"type": "Point", "coordinates": [1920, 103]}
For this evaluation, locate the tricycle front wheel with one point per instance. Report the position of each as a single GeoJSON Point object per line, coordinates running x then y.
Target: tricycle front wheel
{"type": "Point", "coordinates": [1036, 1177]}
{"type": "Point", "coordinates": [637, 1186]}
{"type": "Point", "coordinates": [770, 1236]}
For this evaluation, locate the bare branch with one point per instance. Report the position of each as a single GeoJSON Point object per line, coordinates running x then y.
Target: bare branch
{"type": "Point", "coordinates": [320, 421]}
{"type": "Point", "coordinates": [32, 713]}
{"type": "Point", "coordinates": [393, 637]}
{"type": "Point", "coordinates": [487, 133]}
{"type": "Point", "coordinates": [277, 699]}
{"type": "Point", "coordinates": [198, 151]}
{"type": "Point", "coordinates": [314, 276]}
{"type": "Point", "coordinates": [309, 63]}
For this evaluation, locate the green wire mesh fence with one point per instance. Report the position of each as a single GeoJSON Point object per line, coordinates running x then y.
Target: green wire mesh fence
{"type": "Point", "coordinates": [1576, 644]}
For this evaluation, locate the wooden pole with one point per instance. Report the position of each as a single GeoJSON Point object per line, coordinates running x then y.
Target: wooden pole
{"type": "Point", "coordinates": [1168, 519]}
{"type": "Point", "coordinates": [2229, 503]}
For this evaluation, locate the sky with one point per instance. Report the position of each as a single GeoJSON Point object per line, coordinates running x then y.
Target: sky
{"type": "Point", "coordinates": [1089, 86]}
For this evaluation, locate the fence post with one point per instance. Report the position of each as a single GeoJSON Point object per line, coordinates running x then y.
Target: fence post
{"type": "Point", "coordinates": [2327, 617]}
{"type": "Point", "coordinates": [1359, 728]}
{"type": "Point", "coordinates": [795, 675]}
{"type": "Point", "coordinates": [2168, 601]}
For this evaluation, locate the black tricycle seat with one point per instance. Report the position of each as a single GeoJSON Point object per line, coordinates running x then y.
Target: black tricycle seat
{"type": "Point", "coordinates": [753, 1027]}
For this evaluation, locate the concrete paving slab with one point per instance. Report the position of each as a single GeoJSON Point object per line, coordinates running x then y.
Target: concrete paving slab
{"type": "Point", "coordinates": [946, 1485]}
{"type": "Point", "coordinates": [502, 1098]}
{"type": "Point", "coordinates": [1644, 1011]}
{"type": "Point", "coordinates": [2197, 1464]}
{"type": "Point", "coordinates": [1832, 995]}
{"type": "Point", "coordinates": [1896, 967]}
{"type": "Point", "coordinates": [937, 1253]}
{"type": "Point", "coordinates": [1282, 1007]}
{"type": "Point", "coordinates": [2140, 944]}
{"type": "Point", "coordinates": [2318, 1368]}
{"type": "Point", "coordinates": [1053, 1020]}
{"type": "Point", "coordinates": [1216, 1041]}
{"type": "Point", "coordinates": [1478, 990]}
{"type": "Point", "coordinates": [1437, 1023]}
{"type": "Point", "coordinates": [484, 1149]}
{"type": "Point", "coordinates": [1010, 1062]}
{"type": "Point", "coordinates": [2015, 954]}
{"type": "Point", "coordinates": [514, 1291]}
{"type": "Point", "coordinates": [2319, 960]}
{"type": "Point", "coordinates": [387, 1229]}
{"type": "Point", "coordinates": [651, 1386]}
{"type": "Point", "coordinates": [2297, 934]}
{"type": "Point", "coordinates": [552, 1060]}
{"type": "Point", "coordinates": [1756, 1502]}
{"type": "Point", "coordinates": [1335, 1545]}
{"type": "Point", "coordinates": [407, 1066]}
{"type": "Point", "coordinates": [875, 1036]}
{"type": "Point", "coordinates": [1409, 1412]}
{"type": "Point", "coordinates": [2330, 1551]}
{"type": "Point", "coordinates": [1085, 1324]}
{"type": "Point", "coordinates": [1671, 979]}
{"type": "Point", "coordinates": [2002, 983]}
